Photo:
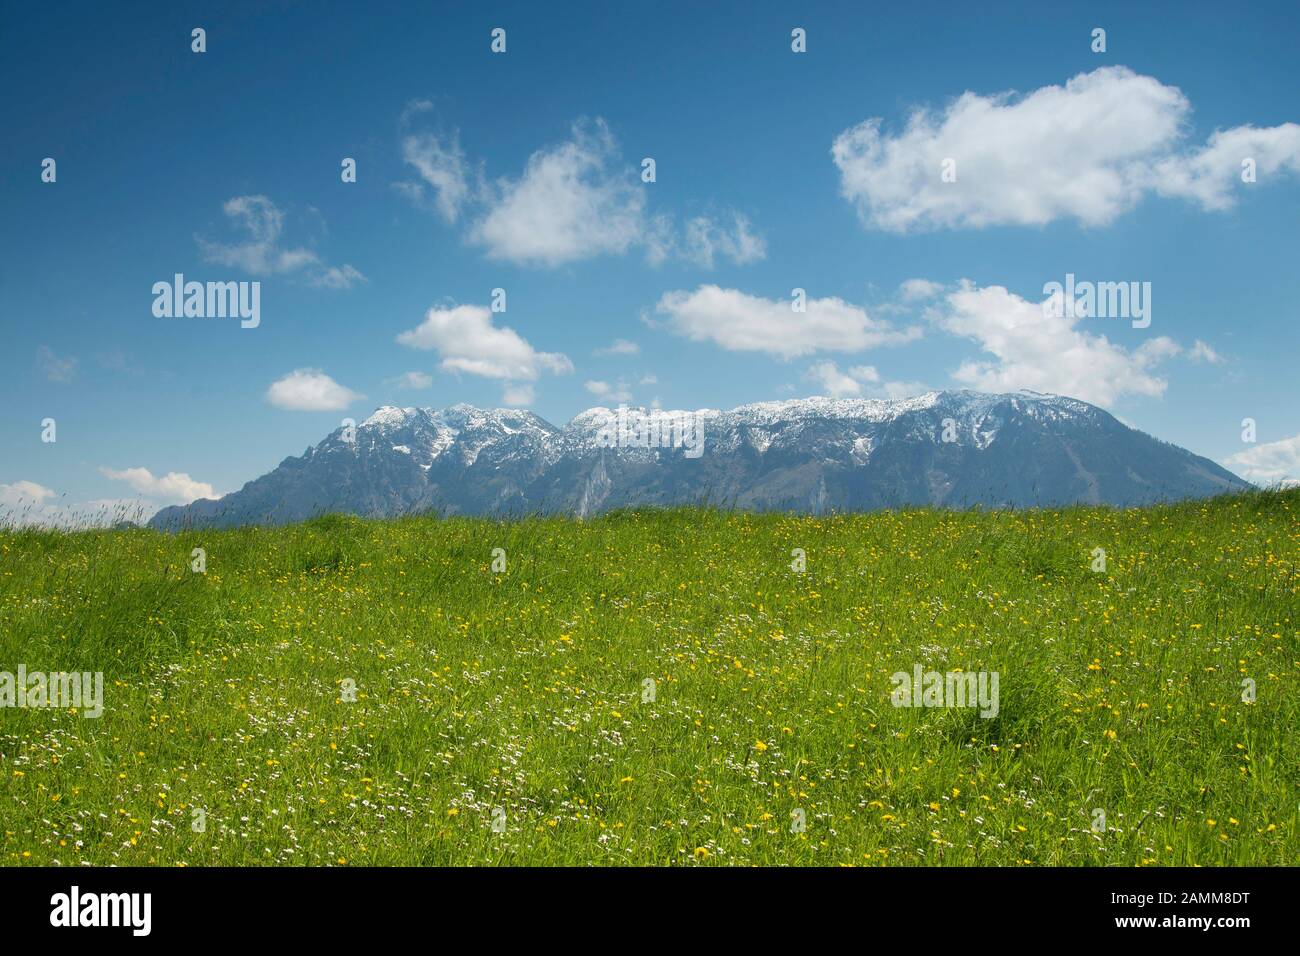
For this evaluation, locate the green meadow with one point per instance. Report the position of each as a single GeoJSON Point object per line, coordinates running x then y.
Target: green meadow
{"type": "Point", "coordinates": [662, 687]}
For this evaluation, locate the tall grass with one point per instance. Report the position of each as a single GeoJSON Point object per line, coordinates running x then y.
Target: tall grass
{"type": "Point", "coordinates": [518, 697]}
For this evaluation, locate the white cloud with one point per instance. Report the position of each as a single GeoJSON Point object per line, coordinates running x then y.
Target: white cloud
{"type": "Point", "coordinates": [262, 255]}
{"type": "Point", "coordinates": [441, 164]}
{"type": "Point", "coordinates": [860, 381]}
{"type": "Point", "coordinates": [1088, 150]}
{"type": "Point", "coordinates": [659, 240]}
{"type": "Point", "coordinates": [1045, 353]}
{"type": "Point", "coordinates": [916, 290]}
{"type": "Point", "coordinates": [416, 381]}
{"type": "Point", "coordinates": [746, 323]}
{"type": "Point", "coordinates": [573, 201]}
{"type": "Point", "coordinates": [576, 200]}
{"type": "Point", "coordinates": [517, 395]}
{"type": "Point", "coordinates": [22, 493]}
{"type": "Point", "coordinates": [608, 392]}
{"type": "Point", "coordinates": [467, 341]}
{"type": "Point", "coordinates": [413, 109]}
{"type": "Point", "coordinates": [1210, 174]}
{"type": "Point", "coordinates": [175, 487]}
{"type": "Point", "coordinates": [838, 384]}
{"type": "Point", "coordinates": [1269, 464]}
{"type": "Point", "coordinates": [619, 347]}
{"type": "Point", "coordinates": [56, 369]}
{"type": "Point", "coordinates": [310, 390]}
{"type": "Point", "coordinates": [1200, 352]}
{"type": "Point", "coordinates": [27, 504]}
{"type": "Point", "coordinates": [336, 278]}
{"type": "Point", "coordinates": [705, 239]}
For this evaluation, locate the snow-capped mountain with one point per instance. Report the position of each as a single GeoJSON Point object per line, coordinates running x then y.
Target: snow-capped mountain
{"type": "Point", "coordinates": [955, 449]}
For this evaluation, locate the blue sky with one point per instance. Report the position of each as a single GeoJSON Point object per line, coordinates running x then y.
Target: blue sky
{"type": "Point", "coordinates": [522, 171]}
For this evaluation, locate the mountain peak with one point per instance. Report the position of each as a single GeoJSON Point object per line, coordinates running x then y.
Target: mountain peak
{"type": "Point", "coordinates": [951, 449]}
{"type": "Point", "coordinates": [872, 409]}
{"type": "Point", "coordinates": [389, 415]}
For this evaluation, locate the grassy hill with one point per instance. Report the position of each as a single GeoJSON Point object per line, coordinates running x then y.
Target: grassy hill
{"type": "Point", "coordinates": [662, 688]}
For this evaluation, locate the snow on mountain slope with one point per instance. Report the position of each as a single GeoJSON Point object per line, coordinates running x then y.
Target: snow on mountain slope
{"type": "Point", "coordinates": [956, 448]}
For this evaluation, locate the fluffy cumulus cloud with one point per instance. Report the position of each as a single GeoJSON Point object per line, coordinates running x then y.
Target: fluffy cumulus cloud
{"type": "Point", "coordinates": [466, 340]}
{"type": "Point", "coordinates": [1273, 463]}
{"type": "Point", "coordinates": [175, 487]}
{"type": "Point", "coordinates": [310, 390]}
{"type": "Point", "coordinates": [1032, 348]}
{"type": "Point", "coordinates": [261, 253]}
{"type": "Point", "coordinates": [575, 200]}
{"type": "Point", "coordinates": [1088, 150]}
{"type": "Point", "coordinates": [24, 493]}
{"type": "Point", "coordinates": [741, 322]}
{"type": "Point", "coordinates": [1211, 174]}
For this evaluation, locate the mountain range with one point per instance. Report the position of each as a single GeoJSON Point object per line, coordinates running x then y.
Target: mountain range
{"type": "Point", "coordinates": [814, 455]}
